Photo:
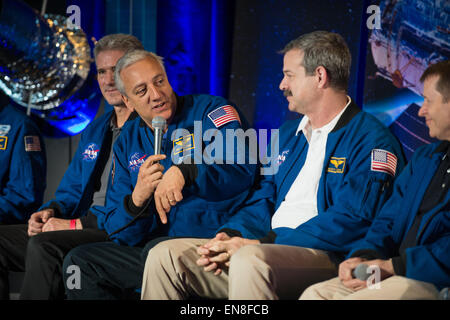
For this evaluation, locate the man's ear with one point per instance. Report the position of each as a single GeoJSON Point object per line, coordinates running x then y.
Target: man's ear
{"type": "Point", "coordinates": [127, 103]}
{"type": "Point", "coordinates": [322, 77]}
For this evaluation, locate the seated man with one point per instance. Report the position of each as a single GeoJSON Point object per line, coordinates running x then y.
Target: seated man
{"type": "Point", "coordinates": [408, 243]}
{"type": "Point", "coordinates": [191, 199]}
{"type": "Point", "coordinates": [79, 196]}
{"type": "Point", "coordinates": [23, 165]}
{"type": "Point", "coordinates": [335, 170]}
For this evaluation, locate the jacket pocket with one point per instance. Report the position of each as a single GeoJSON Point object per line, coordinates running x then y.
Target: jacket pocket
{"type": "Point", "coordinates": [375, 195]}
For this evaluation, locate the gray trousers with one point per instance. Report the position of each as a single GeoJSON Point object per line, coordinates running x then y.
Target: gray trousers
{"type": "Point", "coordinates": [263, 271]}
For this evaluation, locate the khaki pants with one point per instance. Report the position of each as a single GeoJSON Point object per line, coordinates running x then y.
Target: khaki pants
{"type": "Point", "coordinates": [256, 272]}
{"type": "Point", "coordinates": [393, 288]}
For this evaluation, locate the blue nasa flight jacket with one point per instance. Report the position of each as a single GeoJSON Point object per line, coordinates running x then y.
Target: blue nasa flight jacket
{"type": "Point", "coordinates": [23, 166]}
{"type": "Point", "coordinates": [74, 195]}
{"type": "Point", "coordinates": [429, 259]}
{"type": "Point", "coordinates": [349, 193]}
{"type": "Point", "coordinates": [209, 197]}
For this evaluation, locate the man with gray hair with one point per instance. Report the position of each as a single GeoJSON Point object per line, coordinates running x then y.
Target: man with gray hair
{"type": "Point", "coordinates": [336, 167]}
{"type": "Point", "coordinates": [175, 193]}
{"type": "Point", "coordinates": [70, 218]}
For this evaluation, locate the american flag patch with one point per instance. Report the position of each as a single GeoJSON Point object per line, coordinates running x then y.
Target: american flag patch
{"type": "Point", "coordinates": [223, 115]}
{"type": "Point", "coordinates": [32, 143]}
{"type": "Point", "coordinates": [383, 161]}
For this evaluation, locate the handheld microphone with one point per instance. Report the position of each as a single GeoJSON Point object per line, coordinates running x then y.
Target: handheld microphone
{"type": "Point", "coordinates": [360, 272]}
{"type": "Point", "coordinates": [158, 124]}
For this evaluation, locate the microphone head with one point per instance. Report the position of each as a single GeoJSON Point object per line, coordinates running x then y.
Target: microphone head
{"type": "Point", "coordinates": [360, 272]}
{"type": "Point", "coordinates": [158, 123]}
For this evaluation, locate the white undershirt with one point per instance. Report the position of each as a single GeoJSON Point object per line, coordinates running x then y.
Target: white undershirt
{"type": "Point", "coordinates": [300, 203]}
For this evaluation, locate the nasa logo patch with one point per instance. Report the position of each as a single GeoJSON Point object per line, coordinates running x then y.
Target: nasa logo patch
{"type": "Point", "coordinates": [4, 129]}
{"type": "Point", "coordinates": [282, 157]}
{"type": "Point", "coordinates": [135, 161]}
{"type": "Point", "coordinates": [90, 152]}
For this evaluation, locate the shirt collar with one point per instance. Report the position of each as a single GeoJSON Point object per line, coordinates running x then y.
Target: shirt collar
{"type": "Point", "coordinates": [305, 125]}
{"type": "Point", "coordinates": [112, 122]}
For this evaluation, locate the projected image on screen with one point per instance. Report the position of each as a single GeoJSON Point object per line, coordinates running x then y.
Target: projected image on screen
{"type": "Point", "coordinates": [413, 35]}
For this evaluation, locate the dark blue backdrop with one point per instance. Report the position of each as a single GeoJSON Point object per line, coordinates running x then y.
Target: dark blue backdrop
{"type": "Point", "coordinates": [195, 37]}
{"type": "Point", "coordinates": [208, 45]}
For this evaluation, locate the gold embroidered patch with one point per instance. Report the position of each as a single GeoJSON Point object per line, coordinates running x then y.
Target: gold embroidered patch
{"type": "Point", "coordinates": [3, 142]}
{"type": "Point", "coordinates": [183, 144]}
{"type": "Point", "coordinates": [337, 165]}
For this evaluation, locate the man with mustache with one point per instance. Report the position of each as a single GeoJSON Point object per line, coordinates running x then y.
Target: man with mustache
{"type": "Point", "coordinates": [154, 196]}
{"type": "Point", "coordinates": [70, 218]}
{"type": "Point", "coordinates": [336, 167]}
{"type": "Point", "coordinates": [409, 241]}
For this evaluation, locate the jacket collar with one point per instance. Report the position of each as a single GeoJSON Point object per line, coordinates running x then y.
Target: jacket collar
{"type": "Point", "coordinates": [133, 116]}
{"type": "Point", "coordinates": [351, 111]}
{"type": "Point", "coordinates": [444, 146]}
{"type": "Point", "coordinates": [304, 123]}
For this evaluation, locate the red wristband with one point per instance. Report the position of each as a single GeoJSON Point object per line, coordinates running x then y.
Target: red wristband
{"type": "Point", "coordinates": [73, 224]}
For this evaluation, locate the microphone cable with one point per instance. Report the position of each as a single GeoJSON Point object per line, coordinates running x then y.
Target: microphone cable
{"type": "Point", "coordinates": [139, 215]}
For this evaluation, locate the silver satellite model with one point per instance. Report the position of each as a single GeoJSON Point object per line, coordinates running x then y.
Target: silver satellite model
{"type": "Point", "coordinates": [44, 62]}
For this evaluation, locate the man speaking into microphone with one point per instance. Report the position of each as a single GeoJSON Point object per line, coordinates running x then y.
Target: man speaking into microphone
{"type": "Point", "coordinates": [150, 195]}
